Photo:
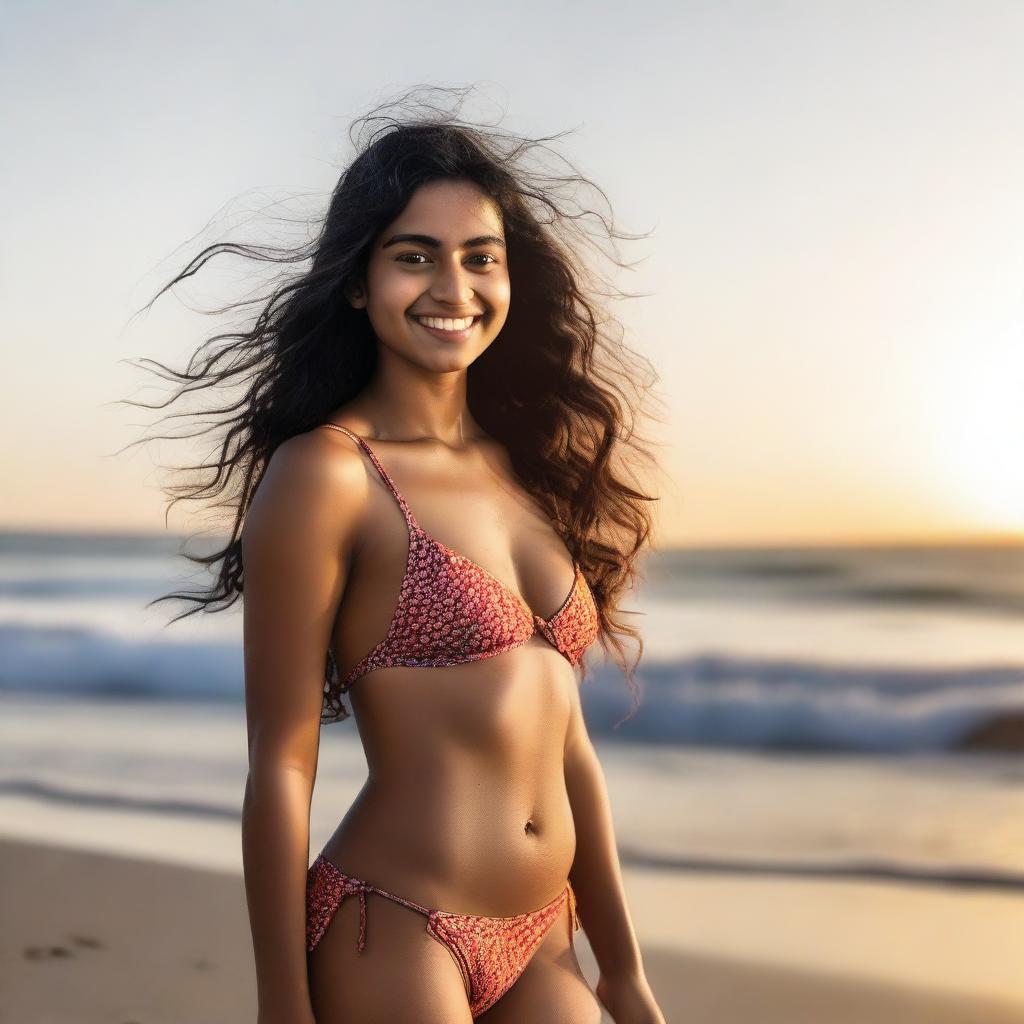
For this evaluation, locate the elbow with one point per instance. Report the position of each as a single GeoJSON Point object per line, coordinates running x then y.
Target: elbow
{"type": "Point", "coordinates": [269, 780]}
{"type": "Point", "coordinates": [273, 756]}
{"type": "Point", "coordinates": [276, 804]}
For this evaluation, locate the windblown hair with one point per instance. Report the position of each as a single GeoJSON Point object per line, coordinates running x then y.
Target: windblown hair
{"type": "Point", "coordinates": [558, 388]}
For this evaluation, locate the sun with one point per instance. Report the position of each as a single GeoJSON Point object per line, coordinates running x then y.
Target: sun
{"type": "Point", "coordinates": [982, 442]}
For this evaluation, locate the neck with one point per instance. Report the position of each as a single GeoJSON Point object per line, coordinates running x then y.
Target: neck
{"type": "Point", "coordinates": [411, 406]}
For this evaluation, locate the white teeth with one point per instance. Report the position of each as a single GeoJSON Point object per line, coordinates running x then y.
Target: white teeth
{"type": "Point", "coordinates": [446, 323]}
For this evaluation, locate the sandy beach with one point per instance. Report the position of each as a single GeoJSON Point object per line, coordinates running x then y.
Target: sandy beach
{"type": "Point", "coordinates": [89, 937]}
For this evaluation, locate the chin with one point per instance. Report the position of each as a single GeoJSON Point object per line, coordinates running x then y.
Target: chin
{"type": "Point", "coordinates": [451, 362]}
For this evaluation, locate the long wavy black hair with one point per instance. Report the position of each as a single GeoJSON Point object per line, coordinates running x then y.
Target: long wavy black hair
{"type": "Point", "coordinates": [558, 387]}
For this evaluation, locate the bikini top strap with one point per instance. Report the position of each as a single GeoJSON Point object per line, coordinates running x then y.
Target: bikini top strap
{"type": "Point", "coordinates": [402, 503]}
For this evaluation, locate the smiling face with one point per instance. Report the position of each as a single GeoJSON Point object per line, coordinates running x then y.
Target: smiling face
{"type": "Point", "coordinates": [437, 286]}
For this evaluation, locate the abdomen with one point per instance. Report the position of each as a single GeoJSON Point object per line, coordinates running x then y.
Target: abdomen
{"type": "Point", "coordinates": [466, 802]}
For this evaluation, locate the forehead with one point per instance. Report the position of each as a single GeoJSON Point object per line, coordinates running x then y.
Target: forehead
{"type": "Point", "coordinates": [449, 210]}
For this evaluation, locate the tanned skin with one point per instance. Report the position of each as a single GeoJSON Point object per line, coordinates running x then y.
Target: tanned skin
{"type": "Point", "coordinates": [484, 791]}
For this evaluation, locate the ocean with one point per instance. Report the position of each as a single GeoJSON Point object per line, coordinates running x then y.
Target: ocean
{"type": "Point", "coordinates": [883, 649]}
{"type": "Point", "coordinates": [803, 710]}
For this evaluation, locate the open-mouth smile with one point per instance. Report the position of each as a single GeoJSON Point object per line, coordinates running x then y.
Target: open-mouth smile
{"type": "Point", "coordinates": [449, 328]}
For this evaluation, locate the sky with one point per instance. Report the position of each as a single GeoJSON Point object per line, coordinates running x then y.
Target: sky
{"type": "Point", "coordinates": [830, 194]}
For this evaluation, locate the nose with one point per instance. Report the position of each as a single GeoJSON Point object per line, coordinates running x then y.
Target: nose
{"type": "Point", "coordinates": [451, 285]}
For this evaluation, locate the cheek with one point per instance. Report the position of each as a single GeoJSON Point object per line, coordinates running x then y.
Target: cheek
{"type": "Point", "coordinates": [499, 292]}
{"type": "Point", "coordinates": [391, 293]}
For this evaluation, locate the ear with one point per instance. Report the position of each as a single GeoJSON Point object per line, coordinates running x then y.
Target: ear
{"type": "Point", "coordinates": [355, 292]}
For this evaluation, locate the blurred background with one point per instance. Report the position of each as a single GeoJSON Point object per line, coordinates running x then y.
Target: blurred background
{"type": "Point", "coordinates": [820, 805]}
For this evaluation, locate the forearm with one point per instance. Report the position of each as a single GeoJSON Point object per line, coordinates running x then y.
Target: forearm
{"type": "Point", "coordinates": [275, 853]}
{"type": "Point", "coordinates": [596, 875]}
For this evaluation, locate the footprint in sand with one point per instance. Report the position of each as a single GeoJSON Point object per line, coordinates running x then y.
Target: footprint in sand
{"type": "Point", "coordinates": [61, 952]}
{"type": "Point", "coordinates": [46, 952]}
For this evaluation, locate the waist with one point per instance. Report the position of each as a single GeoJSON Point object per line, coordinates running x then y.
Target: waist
{"type": "Point", "coordinates": [489, 853]}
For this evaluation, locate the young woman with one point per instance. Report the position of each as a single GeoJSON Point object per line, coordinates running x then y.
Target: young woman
{"type": "Point", "coordinates": [432, 501]}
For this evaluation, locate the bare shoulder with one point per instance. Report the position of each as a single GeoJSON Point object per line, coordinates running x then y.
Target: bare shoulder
{"type": "Point", "coordinates": [319, 459]}
{"type": "Point", "coordinates": [313, 482]}
{"type": "Point", "coordinates": [299, 540]}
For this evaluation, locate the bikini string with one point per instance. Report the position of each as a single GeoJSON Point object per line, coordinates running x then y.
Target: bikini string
{"type": "Point", "coordinates": [363, 888]}
{"type": "Point", "coordinates": [572, 909]}
{"type": "Point", "coordinates": [361, 891]}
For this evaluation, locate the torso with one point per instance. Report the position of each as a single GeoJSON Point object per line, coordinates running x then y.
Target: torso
{"type": "Point", "coordinates": [465, 806]}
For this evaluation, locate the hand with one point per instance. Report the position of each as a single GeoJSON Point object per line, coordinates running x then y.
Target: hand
{"type": "Point", "coordinates": [629, 1000]}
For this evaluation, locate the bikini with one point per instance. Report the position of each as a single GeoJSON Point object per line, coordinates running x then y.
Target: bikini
{"type": "Point", "coordinates": [452, 611]}
{"type": "Point", "coordinates": [490, 952]}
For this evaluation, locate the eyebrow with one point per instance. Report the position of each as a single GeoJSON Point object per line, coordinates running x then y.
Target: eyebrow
{"type": "Point", "coordinates": [436, 244]}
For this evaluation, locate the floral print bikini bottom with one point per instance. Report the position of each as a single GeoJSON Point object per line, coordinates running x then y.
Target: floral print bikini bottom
{"type": "Point", "coordinates": [491, 952]}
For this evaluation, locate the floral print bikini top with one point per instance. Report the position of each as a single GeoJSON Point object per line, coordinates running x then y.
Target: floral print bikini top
{"type": "Point", "coordinates": [452, 611]}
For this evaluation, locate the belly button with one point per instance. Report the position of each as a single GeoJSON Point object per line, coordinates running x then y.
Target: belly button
{"type": "Point", "coordinates": [530, 827]}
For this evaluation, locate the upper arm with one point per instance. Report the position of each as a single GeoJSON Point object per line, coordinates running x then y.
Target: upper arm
{"type": "Point", "coordinates": [297, 546]}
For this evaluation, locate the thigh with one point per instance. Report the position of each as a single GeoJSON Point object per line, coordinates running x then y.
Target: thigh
{"type": "Point", "coordinates": [552, 989]}
{"type": "Point", "coordinates": [402, 976]}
